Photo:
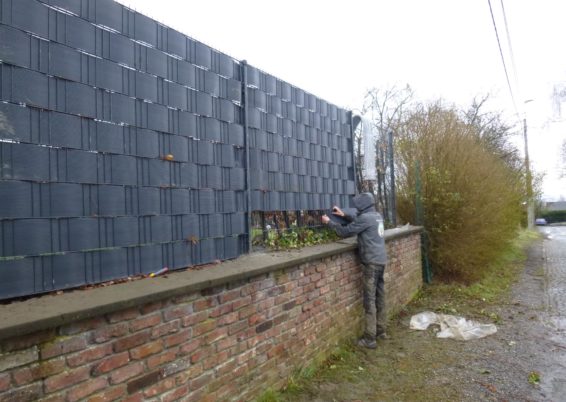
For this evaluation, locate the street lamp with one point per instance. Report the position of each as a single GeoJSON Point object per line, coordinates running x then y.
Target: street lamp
{"type": "Point", "coordinates": [530, 200]}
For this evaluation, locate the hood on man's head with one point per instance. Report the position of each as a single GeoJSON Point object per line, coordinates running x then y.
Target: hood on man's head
{"type": "Point", "coordinates": [363, 201]}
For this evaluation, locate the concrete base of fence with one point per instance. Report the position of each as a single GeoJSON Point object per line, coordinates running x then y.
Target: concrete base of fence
{"type": "Point", "coordinates": [225, 332]}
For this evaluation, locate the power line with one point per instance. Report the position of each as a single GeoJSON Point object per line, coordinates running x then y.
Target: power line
{"type": "Point", "coordinates": [502, 58]}
{"type": "Point", "coordinates": [515, 73]}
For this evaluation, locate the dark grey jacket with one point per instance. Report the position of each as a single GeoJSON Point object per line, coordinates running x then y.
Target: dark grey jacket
{"type": "Point", "coordinates": [368, 225]}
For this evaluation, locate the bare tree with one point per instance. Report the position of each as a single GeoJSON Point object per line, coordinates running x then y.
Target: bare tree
{"type": "Point", "coordinates": [386, 107]}
{"type": "Point", "coordinates": [494, 132]}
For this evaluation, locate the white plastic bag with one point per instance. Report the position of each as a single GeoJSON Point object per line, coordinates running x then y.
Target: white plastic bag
{"type": "Point", "coordinates": [452, 326]}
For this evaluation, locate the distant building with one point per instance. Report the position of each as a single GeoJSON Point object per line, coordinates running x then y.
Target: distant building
{"type": "Point", "coordinates": [554, 205]}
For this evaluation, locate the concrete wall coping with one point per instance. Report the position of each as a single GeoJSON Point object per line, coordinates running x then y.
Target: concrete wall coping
{"type": "Point", "coordinates": [53, 310]}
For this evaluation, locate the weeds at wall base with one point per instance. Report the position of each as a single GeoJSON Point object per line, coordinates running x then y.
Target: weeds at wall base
{"type": "Point", "coordinates": [343, 359]}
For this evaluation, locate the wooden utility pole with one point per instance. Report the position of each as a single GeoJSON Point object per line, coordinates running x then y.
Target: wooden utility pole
{"type": "Point", "coordinates": [530, 200]}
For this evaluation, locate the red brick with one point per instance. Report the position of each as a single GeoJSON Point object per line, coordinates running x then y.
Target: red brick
{"type": "Point", "coordinates": [196, 396]}
{"type": "Point", "coordinates": [89, 355]}
{"type": "Point", "coordinates": [151, 307]}
{"type": "Point", "coordinates": [282, 299]}
{"type": "Point", "coordinates": [147, 349]}
{"type": "Point", "coordinates": [194, 318]}
{"type": "Point", "coordinates": [221, 310]}
{"type": "Point", "coordinates": [176, 312]}
{"type": "Point", "coordinates": [276, 351]}
{"type": "Point", "coordinates": [204, 304]}
{"type": "Point", "coordinates": [201, 353]}
{"type": "Point", "coordinates": [31, 392]}
{"type": "Point", "coordinates": [131, 341]}
{"type": "Point", "coordinates": [226, 367]}
{"type": "Point", "coordinates": [182, 377]}
{"type": "Point", "coordinates": [226, 390]}
{"type": "Point", "coordinates": [84, 390]}
{"type": "Point", "coordinates": [39, 371]}
{"type": "Point", "coordinates": [213, 291]}
{"type": "Point", "coordinates": [246, 333]}
{"type": "Point", "coordinates": [215, 359]}
{"type": "Point", "coordinates": [175, 395]}
{"type": "Point", "coordinates": [244, 301]}
{"type": "Point", "coordinates": [304, 280]}
{"type": "Point", "coordinates": [60, 397]}
{"type": "Point", "coordinates": [239, 371]}
{"type": "Point", "coordinates": [167, 328]}
{"type": "Point", "coordinates": [168, 356]}
{"type": "Point", "coordinates": [281, 318]}
{"type": "Point", "coordinates": [237, 327]}
{"type": "Point", "coordinates": [321, 283]}
{"type": "Point", "coordinates": [27, 341]}
{"type": "Point", "coordinates": [159, 388]}
{"type": "Point", "coordinates": [258, 296]}
{"type": "Point", "coordinates": [228, 318]}
{"type": "Point", "coordinates": [204, 327]}
{"type": "Point", "coordinates": [66, 379]}
{"type": "Point", "coordinates": [189, 347]}
{"type": "Point", "coordinates": [137, 397]}
{"type": "Point", "coordinates": [63, 346]}
{"type": "Point", "coordinates": [194, 371]}
{"type": "Point", "coordinates": [124, 315]}
{"type": "Point", "coordinates": [247, 290]}
{"type": "Point", "coordinates": [246, 311]}
{"type": "Point", "coordinates": [111, 394]}
{"type": "Point", "coordinates": [200, 382]}
{"type": "Point", "coordinates": [125, 373]}
{"type": "Point", "coordinates": [111, 363]}
{"type": "Point", "coordinates": [255, 318]}
{"type": "Point", "coordinates": [4, 381]}
{"type": "Point", "coordinates": [145, 322]}
{"type": "Point", "coordinates": [216, 335]}
{"type": "Point", "coordinates": [178, 338]}
{"type": "Point", "coordinates": [229, 296]}
{"type": "Point", "coordinates": [225, 343]}
{"type": "Point", "coordinates": [111, 331]}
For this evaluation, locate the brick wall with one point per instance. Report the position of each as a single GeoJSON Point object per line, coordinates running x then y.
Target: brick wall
{"type": "Point", "coordinates": [228, 342]}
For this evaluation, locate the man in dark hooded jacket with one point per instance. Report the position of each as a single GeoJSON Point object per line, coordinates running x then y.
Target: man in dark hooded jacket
{"type": "Point", "coordinates": [368, 226]}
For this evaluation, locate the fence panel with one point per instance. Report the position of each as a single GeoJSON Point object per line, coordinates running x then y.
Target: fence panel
{"type": "Point", "coordinates": [123, 147]}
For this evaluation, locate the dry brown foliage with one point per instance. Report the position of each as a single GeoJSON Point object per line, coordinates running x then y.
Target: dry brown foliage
{"type": "Point", "coordinates": [471, 198]}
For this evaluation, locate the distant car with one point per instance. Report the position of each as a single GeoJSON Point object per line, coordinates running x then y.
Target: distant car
{"type": "Point", "coordinates": [540, 221]}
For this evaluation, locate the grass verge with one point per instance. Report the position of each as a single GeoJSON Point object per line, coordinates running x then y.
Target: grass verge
{"type": "Point", "coordinates": [495, 284]}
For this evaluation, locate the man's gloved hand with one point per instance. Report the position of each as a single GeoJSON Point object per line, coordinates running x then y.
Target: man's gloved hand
{"type": "Point", "coordinates": [337, 211]}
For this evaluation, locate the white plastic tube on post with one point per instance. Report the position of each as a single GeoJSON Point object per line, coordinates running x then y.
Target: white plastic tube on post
{"type": "Point", "coordinates": [369, 137]}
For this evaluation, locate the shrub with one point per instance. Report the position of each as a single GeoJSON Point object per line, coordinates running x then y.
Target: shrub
{"type": "Point", "coordinates": [554, 216]}
{"type": "Point", "coordinates": [471, 198]}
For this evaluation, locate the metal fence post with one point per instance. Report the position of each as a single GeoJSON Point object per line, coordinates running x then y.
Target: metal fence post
{"type": "Point", "coordinates": [244, 65]}
{"type": "Point", "coordinates": [419, 217]}
{"type": "Point", "coordinates": [352, 130]}
{"type": "Point", "coordinates": [393, 201]}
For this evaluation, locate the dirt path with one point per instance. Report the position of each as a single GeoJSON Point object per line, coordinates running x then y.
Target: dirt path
{"type": "Point", "coordinates": [524, 361]}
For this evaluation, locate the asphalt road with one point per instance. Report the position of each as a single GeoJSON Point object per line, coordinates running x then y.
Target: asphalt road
{"type": "Point", "coordinates": [553, 377]}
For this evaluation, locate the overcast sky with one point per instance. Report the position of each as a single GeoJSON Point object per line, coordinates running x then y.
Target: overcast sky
{"type": "Point", "coordinates": [442, 48]}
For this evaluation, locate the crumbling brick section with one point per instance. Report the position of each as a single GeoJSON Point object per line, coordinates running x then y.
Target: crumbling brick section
{"type": "Point", "coordinates": [224, 343]}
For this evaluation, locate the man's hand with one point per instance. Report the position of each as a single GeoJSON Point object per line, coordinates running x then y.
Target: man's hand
{"type": "Point", "coordinates": [325, 219]}
{"type": "Point", "coordinates": [337, 211]}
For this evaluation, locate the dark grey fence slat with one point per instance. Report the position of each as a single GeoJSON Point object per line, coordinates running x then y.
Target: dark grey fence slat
{"type": "Point", "coordinates": [108, 171]}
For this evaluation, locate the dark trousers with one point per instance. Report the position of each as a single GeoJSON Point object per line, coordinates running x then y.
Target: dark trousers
{"type": "Point", "coordinates": [374, 300]}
